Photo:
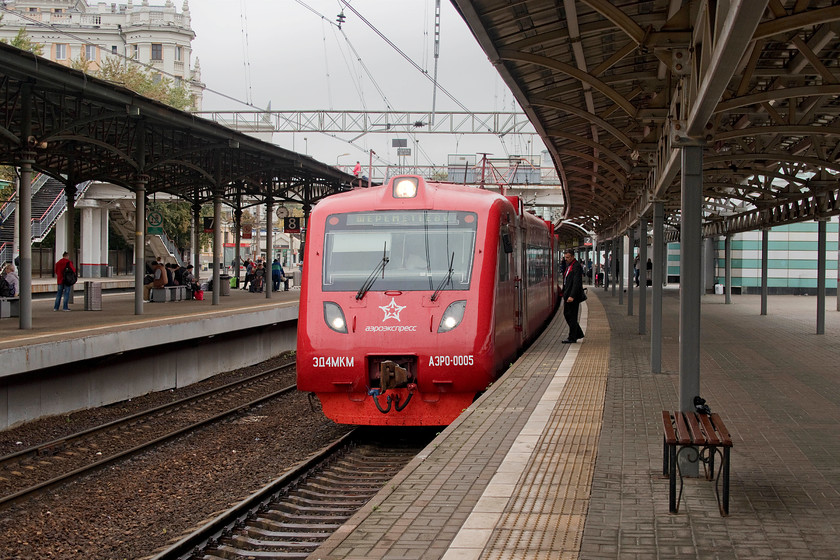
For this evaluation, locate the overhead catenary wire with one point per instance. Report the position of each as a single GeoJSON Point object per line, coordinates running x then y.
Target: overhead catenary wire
{"type": "Point", "coordinates": [246, 59]}
{"type": "Point", "coordinates": [405, 56]}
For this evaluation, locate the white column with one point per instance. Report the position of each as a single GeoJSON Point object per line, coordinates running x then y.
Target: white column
{"type": "Point", "coordinates": [104, 221]}
{"type": "Point", "coordinates": [60, 235]}
{"type": "Point", "coordinates": [89, 257]}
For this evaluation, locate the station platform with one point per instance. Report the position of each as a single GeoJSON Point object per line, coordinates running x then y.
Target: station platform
{"type": "Point", "coordinates": [562, 458]}
{"type": "Point", "coordinates": [117, 310]}
{"type": "Point", "coordinates": [89, 358]}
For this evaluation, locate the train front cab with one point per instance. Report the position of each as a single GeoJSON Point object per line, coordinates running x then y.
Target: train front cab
{"type": "Point", "coordinates": [392, 360]}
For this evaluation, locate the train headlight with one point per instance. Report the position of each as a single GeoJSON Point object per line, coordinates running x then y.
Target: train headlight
{"type": "Point", "coordinates": [405, 187]}
{"type": "Point", "coordinates": [452, 316]}
{"type": "Point", "coordinates": [334, 317]}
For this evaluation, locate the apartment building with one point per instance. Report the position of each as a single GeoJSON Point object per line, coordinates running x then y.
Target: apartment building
{"type": "Point", "coordinates": [159, 36]}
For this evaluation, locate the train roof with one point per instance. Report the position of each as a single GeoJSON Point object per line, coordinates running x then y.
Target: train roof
{"type": "Point", "coordinates": [412, 191]}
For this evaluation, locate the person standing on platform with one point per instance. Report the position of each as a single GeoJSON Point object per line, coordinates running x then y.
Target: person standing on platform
{"type": "Point", "coordinates": [12, 280]}
{"type": "Point", "coordinates": [63, 287]}
{"type": "Point", "coordinates": [649, 279]}
{"type": "Point", "coordinates": [573, 295]}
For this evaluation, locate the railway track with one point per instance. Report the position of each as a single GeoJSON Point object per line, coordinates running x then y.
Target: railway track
{"type": "Point", "coordinates": [38, 468]}
{"type": "Point", "coordinates": [292, 516]}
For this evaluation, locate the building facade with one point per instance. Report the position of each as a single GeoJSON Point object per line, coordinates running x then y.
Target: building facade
{"type": "Point", "coordinates": [158, 36]}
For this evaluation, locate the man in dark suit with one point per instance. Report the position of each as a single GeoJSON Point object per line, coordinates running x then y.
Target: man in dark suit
{"type": "Point", "coordinates": [572, 296]}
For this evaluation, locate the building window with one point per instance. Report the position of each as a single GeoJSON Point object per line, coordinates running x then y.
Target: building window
{"type": "Point", "coordinates": [60, 51]}
{"type": "Point", "coordinates": [90, 52]}
{"type": "Point", "coordinates": [114, 49]}
{"type": "Point", "coordinates": [157, 51]}
{"type": "Point", "coordinates": [58, 10]}
{"type": "Point", "coordinates": [136, 51]}
{"type": "Point", "coordinates": [178, 53]}
{"type": "Point", "coordinates": [33, 10]}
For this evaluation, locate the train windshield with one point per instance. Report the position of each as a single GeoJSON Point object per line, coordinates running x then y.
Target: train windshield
{"type": "Point", "coordinates": [420, 245]}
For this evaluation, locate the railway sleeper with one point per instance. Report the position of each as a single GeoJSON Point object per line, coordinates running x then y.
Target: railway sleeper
{"type": "Point", "coordinates": [259, 532]}
{"type": "Point", "coordinates": [291, 517]}
{"type": "Point", "coordinates": [335, 509]}
{"type": "Point", "coordinates": [251, 544]}
{"type": "Point", "coordinates": [354, 501]}
{"type": "Point", "coordinates": [272, 525]}
{"type": "Point", "coordinates": [224, 552]}
{"type": "Point", "coordinates": [310, 494]}
{"type": "Point", "coordinates": [351, 481]}
{"type": "Point", "coordinates": [354, 470]}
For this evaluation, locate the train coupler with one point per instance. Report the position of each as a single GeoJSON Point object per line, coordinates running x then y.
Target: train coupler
{"type": "Point", "coordinates": [391, 376]}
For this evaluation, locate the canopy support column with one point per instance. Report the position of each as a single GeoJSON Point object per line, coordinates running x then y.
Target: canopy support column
{"type": "Point", "coordinates": [727, 267]}
{"type": "Point", "coordinates": [643, 275]}
{"type": "Point", "coordinates": [822, 240]}
{"type": "Point", "coordinates": [630, 273]}
{"type": "Point", "coordinates": [657, 274]}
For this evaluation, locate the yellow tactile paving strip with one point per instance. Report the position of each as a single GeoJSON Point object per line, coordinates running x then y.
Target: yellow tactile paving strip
{"type": "Point", "coordinates": [535, 506]}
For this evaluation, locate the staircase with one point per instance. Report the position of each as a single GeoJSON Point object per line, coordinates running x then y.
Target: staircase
{"type": "Point", "coordinates": [48, 203]}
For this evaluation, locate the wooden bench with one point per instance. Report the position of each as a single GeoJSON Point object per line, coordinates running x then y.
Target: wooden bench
{"type": "Point", "coordinates": [168, 293]}
{"type": "Point", "coordinates": [9, 307]}
{"type": "Point", "coordinates": [701, 436]}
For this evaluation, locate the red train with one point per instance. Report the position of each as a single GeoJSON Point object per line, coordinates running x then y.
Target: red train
{"type": "Point", "coordinates": [416, 296]}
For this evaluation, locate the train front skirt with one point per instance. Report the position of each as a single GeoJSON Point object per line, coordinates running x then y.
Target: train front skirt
{"type": "Point", "coordinates": [400, 407]}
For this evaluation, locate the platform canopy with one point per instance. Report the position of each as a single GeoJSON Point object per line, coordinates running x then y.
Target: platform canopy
{"type": "Point", "coordinates": [82, 128]}
{"type": "Point", "coordinates": [615, 88]}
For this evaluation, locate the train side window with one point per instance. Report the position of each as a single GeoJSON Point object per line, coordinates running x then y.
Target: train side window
{"type": "Point", "coordinates": [504, 254]}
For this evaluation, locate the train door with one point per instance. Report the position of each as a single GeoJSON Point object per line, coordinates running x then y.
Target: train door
{"type": "Point", "coordinates": [522, 285]}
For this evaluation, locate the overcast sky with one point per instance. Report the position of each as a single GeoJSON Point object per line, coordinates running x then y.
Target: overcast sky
{"type": "Point", "coordinates": [296, 59]}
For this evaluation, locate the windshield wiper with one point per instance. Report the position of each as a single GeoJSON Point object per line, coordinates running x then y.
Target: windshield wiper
{"type": "Point", "coordinates": [447, 279]}
{"type": "Point", "coordinates": [372, 278]}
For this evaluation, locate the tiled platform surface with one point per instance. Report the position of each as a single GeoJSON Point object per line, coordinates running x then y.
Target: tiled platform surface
{"type": "Point", "coordinates": [562, 459]}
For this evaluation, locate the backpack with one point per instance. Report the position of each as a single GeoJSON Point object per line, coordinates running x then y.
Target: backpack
{"type": "Point", "coordinates": [69, 275]}
{"type": "Point", "coordinates": [5, 288]}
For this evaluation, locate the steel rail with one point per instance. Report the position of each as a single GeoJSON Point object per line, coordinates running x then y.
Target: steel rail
{"type": "Point", "coordinates": [127, 421]}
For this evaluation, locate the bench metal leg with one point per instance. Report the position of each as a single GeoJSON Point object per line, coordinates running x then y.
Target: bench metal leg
{"type": "Point", "coordinates": [725, 467]}
{"type": "Point", "coordinates": [664, 457]}
{"type": "Point", "coordinates": [672, 479]}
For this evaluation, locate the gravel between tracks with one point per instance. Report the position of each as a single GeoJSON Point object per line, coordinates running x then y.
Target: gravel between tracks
{"type": "Point", "coordinates": [136, 507]}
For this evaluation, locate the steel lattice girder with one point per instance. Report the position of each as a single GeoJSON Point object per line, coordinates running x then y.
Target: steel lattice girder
{"type": "Point", "coordinates": [88, 129]}
{"type": "Point", "coordinates": [615, 89]}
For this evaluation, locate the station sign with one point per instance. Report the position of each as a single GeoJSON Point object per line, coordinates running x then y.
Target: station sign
{"type": "Point", "coordinates": [154, 223]}
{"type": "Point", "coordinates": [292, 224]}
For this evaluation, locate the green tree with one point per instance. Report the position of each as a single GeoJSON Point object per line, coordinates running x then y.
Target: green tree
{"type": "Point", "coordinates": [25, 43]}
{"type": "Point", "coordinates": [7, 183]}
{"type": "Point", "coordinates": [177, 220]}
{"type": "Point", "coordinates": [138, 79]}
